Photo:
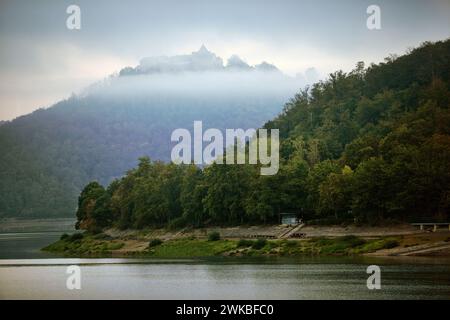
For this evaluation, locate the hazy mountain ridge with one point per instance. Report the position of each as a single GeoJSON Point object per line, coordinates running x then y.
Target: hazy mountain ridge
{"type": "Point", "coordinates": [198, 61]}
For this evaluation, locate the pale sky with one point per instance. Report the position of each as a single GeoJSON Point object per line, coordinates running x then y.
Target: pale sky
{"type": "Point", "coordinates": [41, 61]}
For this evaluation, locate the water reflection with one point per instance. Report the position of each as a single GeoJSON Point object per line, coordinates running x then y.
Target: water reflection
{"type": "Point", "coordinates": [200, 280]}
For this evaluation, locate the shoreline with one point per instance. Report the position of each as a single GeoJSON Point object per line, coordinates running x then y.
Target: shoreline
{"type": "Point", "coordinates": [9, 225]}
{"type": "Point", "coordinates": [254, 241]}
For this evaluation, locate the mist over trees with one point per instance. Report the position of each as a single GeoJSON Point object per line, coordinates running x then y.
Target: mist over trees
{"type": "Point", "coordinates": [48, 156]}
{"type": "Point", "coordinates": [368, 146]}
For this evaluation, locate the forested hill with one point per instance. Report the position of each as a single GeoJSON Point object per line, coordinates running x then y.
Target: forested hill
{"type": "Point", "coordinates": [382, 133]}
{"type": "Point", "coordinates": [48, 156]}
{"type": "Point", "coordinates": [370, 145]}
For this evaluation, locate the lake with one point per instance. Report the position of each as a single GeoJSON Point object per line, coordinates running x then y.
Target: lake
{"type": "Point", "coordinates": [28, 273]}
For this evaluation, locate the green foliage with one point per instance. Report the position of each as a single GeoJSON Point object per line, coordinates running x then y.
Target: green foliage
{"type": "Point", "coordinates": [178, 223]}
{"type": "Point", "coordinates": [340, 245]}
{"type": "Point", "coordinates": [245, 243]}
{"type": "Point", "coordinates": [335, 194]}
{"type": "Point", "coordinates": [84, 245]}
{"type": "Point", "coordinates": [193, 190]}
{"type": "Point", "coordinates": [92, 207]}
{"type": "Point", "coordinates": [351, 240]}
{"type": "Point", "coordinates": [259, 244]}
{"type": "Point", "coordinates": [214, 236]}
{"type": "Point", "coordinates": [102, 236]}
{"type": "Point", "coordinates": [385, 131]}
{"type": "Point", "coordinates": [64, 236]}
{"type": "Point", "coordinates": [377, 244]}
{"type": "Point", "coordinates": [75, 237]}
{"type": "Point", "coordinates": [154, 242]}
{"type": "Point", "coordinates": [192, 248]}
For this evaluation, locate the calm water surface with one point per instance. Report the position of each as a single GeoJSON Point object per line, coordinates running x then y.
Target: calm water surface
{"type": "Point", "coordinates": [27, 273]}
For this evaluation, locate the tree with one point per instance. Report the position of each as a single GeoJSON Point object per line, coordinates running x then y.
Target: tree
{"type": "Point", "coordinates": [336, 194]}
{"type": "Point", "coordinates": [371, 190]}
{"type": "Point", "coordinates": [193, 190]}
{"type": "Point", "coordinates": [87, 204]}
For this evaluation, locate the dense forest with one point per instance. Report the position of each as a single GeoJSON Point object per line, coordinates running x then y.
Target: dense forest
{"type": "Point", "coordinates": [368, 146]}
{"type": "Point", "coordinates": [49, 155]}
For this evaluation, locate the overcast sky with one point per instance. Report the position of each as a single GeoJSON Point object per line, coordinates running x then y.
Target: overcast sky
{"type": "Point", "coordinates": [41, 61]}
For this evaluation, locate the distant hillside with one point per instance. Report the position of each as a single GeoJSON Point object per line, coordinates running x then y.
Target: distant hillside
{"type": "Point", "coordinates": [47, 156]}
{"type": "Point", "coordinates": [369, 146]}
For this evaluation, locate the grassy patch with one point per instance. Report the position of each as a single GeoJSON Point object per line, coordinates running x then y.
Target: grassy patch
{"type": "Point", "coordinates": [342, 245]}
{"type": "Point", "coordinates": [192, 248]}
{"type": "Point", "coordinates": [83, 245]}
{"type": "Point", "coordinates": [377, 244]}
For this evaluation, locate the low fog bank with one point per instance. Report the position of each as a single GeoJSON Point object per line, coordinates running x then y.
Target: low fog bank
{"type": "Point", "coordinates": [232, 84]}
{"type": "Point", "coordinates": [200, 74]}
